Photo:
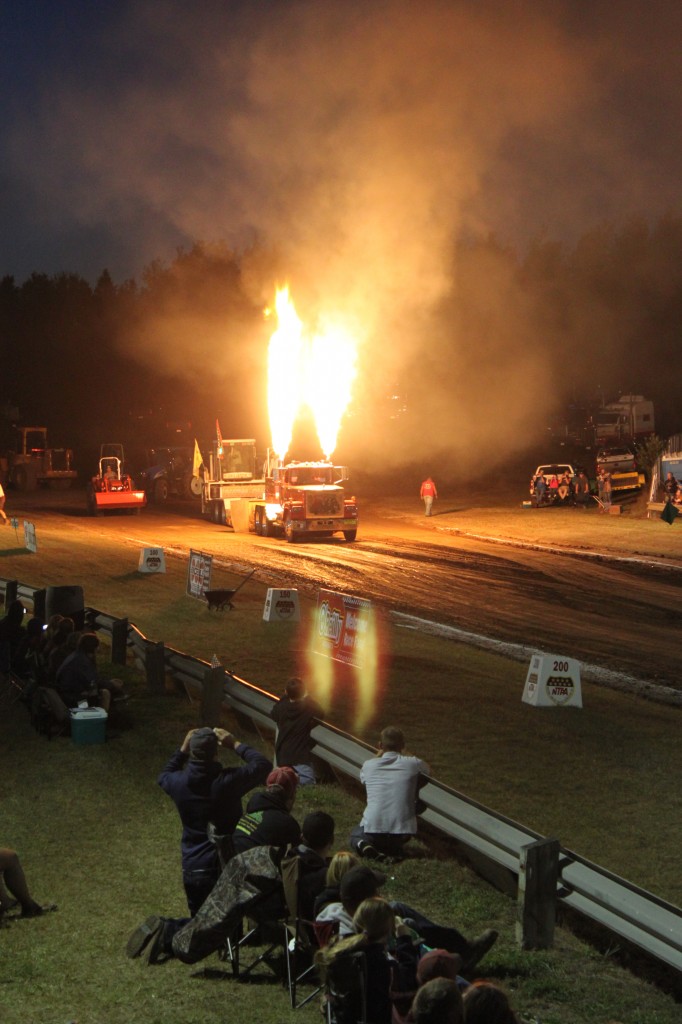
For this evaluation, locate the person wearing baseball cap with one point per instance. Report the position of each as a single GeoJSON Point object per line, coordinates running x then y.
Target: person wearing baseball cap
{"type": "Point", "coordinates": [208, 796]}
{"type": "Point", "coordinates": [268, 820]}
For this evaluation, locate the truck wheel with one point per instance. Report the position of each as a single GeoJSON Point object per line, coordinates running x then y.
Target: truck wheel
{"type": "Point", "coordinates": [195, 486]}
{"type": "Point", "coordinates": [350, 535]}
{"type": "Point", "coordinates": [161, 490]}
{"type": "Point", "coordinates": [289, 532]}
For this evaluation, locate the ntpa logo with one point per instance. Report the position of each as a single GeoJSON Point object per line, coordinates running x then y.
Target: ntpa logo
{"type": "Point", "coordinates": [560, 689]}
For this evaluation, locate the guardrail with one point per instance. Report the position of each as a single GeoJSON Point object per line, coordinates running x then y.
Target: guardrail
{"type": "Point", "coordinates": [496, 845]}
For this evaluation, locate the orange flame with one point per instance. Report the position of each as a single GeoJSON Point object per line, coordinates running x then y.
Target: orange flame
{"type": "Point", "coordinates": [316, 370]}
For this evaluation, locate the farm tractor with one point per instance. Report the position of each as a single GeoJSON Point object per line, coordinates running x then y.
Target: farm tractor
{"type": "Point", "coordinates": [112, 489]}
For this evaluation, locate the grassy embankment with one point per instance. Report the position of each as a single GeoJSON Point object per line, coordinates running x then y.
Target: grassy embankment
{"type": "Point", "coordinates": [97, 835]}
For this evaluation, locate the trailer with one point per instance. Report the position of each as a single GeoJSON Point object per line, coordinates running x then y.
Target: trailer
{"type": "Point", "coordinates": [629, 419]}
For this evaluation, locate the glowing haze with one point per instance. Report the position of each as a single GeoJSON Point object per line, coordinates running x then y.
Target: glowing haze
{"type": "Point", "coordinates": [316, 369]}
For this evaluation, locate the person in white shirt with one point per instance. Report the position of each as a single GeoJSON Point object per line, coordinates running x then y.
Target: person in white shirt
{"type": "Point", "coordinates": [392, 782]}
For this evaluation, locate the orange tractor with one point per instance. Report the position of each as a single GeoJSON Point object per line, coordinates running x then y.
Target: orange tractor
{"type": "Point", "coordinates": [112, 489]}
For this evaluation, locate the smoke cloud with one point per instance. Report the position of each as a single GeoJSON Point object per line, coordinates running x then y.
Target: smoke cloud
{"type": "Point", "coordinates": [366, 143]}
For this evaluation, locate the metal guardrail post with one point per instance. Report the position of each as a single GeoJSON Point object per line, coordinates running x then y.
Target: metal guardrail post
{"type": "Point", "coordinates": [213, 693]}
{"type": "Point", "coordinates": [119, 641]}
{"type": "Point", "coordinates": [537, 894]}
{"type": "Point", "coordinates": [11, 591]}
{"type": "Point", "coordinates": [155, 667]}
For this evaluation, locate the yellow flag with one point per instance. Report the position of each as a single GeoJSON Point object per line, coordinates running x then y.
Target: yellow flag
{"type": "Point", "coordinates": [198, 459]}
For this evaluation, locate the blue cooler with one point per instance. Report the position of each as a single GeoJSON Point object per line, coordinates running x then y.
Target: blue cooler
{"type": "Point", "coordinates": [88, 726]}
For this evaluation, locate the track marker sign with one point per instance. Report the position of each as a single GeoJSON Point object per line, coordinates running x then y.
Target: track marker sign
{"type": "Point", "coordinates": [553, 681]}
{"type": "Point", "coordinates": [281, 606]}
{"type": "Point", "coordinates": [152, 560]}
{"type": "Point", "coordinates": [198, 574]}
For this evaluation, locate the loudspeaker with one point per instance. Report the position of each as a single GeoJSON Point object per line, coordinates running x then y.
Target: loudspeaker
{"type": "Point", "coordinates": [66, 601]}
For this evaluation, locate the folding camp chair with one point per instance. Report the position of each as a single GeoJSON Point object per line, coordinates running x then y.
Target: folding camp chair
{"type": "Point", "coordinates": [301, 938]}
{"type": "Point", "coordinates": [345, 989]}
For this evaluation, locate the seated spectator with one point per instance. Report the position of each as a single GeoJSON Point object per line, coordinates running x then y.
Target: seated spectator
{"type": "Point", "coordinates": [487, 1004]}
{"type": "Point", "coordinates": [317, 838]}
{"type": "Point", "coordinates": [14, 880]}
{"type": "Point", "coordinates": [361, 882]}
{"type": "Point", "coordinates": [296, 714]}
{"type": "Point", "coordinates": [581, 488]}
{"type": "Point", "coordinates": [268, 820]}
{"type": "Point", "coordinates": [392, 781]}
{"type": "Point", "coordinates": [78, 679]}
{"type": "Point", "coordinates": [439, 1002]}
{"type": "Point", "coordinates": [374, 928]}
{"type": "Point", "coordinates": [564, 489]}
{"type": "Point", "coordinates": [436, 963]}
{"type": "Point", "coordinates": [340, 863]}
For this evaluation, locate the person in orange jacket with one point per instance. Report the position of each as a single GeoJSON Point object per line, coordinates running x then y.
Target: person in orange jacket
{"type": "Point", "coordinates": [428, 492]}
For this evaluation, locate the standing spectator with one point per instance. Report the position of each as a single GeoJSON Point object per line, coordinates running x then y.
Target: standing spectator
{"type": "Point", "coordinates": [606, 489]}
{"type": "Point", "coordinates": [581, 488]}
{"type": "Point", "coordinates": [296, 714]}
{"type": "Point", "coordinates": [538, 488]}
{"type": "Point", "coordinates": [5, 520]}
{"type": "Point", "coordinates": [206, 793]}
{"type": "Point", "coordinates": [428, 492]}
{"type": "Point", "coordinates": [391, 780]}
{"type": "Point", "coordinates": [268, 820]}
{"type": "Point", "coordinates": [669, 487]}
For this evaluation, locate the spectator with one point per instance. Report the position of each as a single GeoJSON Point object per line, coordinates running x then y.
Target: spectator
{"type": "Point", "coordinates": [317, 838]}
{"type": "Point", "coordinates": [77, 678]}
{"type": "Point", "coordinates": [669, 487]}
{"type": "Point", "coordinates": [436, 963]}
{"type": "Point", "coordinates": [538, 487]}
{"type": "Point", "coordinates": [487, 1004]}
{"type": "Point", "coordinates": [438, 1002]}
{"type": "Point", "coordinates": [606, 489]}
{"type": "Point", "coordinates": [340, 863]}
{"type": "Point", "coordinates": [428, 492]}
{"type": "Point", "coordinates": [391, 781]}
{"type": "Point", "coordinates": [268, 820]}
{"type": "Point", "coordinates": [206, 793]}
{"type": "Point", "coordinates": [581, 488]}
{"type": "Point", "coordinates": [361, 883]}
{"type": "Point", "coordinates": [374, 927]}
{"type": "Point", "coordinates": [3, 514]}
{"type": "Point", "coordinates": [296, 714]}
{"type": "Point", "coordinates": [14, 879]}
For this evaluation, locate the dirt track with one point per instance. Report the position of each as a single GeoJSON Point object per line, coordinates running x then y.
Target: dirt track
{"type": "Point", "coordinates": [624, 616]}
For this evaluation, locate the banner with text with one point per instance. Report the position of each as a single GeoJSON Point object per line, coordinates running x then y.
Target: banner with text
{"type": "Point", "coordinates": [343, 626]}
{"type": "Point", "coordinates": [199, 574]}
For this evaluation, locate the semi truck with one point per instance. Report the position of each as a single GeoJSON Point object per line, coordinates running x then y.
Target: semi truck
{"type": "Point", "coordinates": [629, 419]}
{"type": "Point", "coordinates": [291, 500]}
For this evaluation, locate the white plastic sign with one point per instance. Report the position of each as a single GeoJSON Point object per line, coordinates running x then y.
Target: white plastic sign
{"type": "Point", "coordinates": [152, 560]}
{"type": "Point", "coordinates": [553, 681]}
{"type": "Point", "coordinates": [282, 606]}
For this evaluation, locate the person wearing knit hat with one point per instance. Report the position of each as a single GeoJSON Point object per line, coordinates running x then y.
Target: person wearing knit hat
{"type": "Point", "coordinates": [268, 820]}
{"type": "Point", "coordinates": [208, 798]}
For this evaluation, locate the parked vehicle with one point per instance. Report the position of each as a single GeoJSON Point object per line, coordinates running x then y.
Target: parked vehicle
{"type": "Point", "coordinates": [629, 419]}
{"type": "Point", "coordinates": [621, 463]}
{"type": "Point", "coordinates": [168, 473]}
{"type": "Point", "coordinates": [29, 463]}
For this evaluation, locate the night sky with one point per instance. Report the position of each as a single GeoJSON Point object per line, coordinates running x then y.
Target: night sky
{"type": "Point", "coordinates": [132, 128]}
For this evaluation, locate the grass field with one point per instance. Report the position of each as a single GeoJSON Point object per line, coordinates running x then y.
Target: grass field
{"type": "Point", "coordinates": [98, 836]}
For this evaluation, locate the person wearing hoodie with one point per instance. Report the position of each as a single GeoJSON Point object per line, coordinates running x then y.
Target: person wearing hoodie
{"type": "Point", "coordinates": [295, 714]}
{"type": "Point", "coordinates": [268, 820]}
{"type": "Point", "coordinates": [206, 794]}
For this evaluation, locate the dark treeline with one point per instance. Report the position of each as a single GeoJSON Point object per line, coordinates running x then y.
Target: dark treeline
{"type": "Point", "coordinates": [188, 342]}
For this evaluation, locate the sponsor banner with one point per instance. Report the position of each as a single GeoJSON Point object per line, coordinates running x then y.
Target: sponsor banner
{"type": "Point", "coordinates": [30, 536]}
{"type": "Point", "coordinates": [553, 681]}
{"type": "Point", "coordinates": [342, 626]}
{"type": "Point", "coordinates": [152, 560]}
{"type": "Point", "coordinates": [199, 574]}
{"type": "Point", "coordinates": [282, 606]}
